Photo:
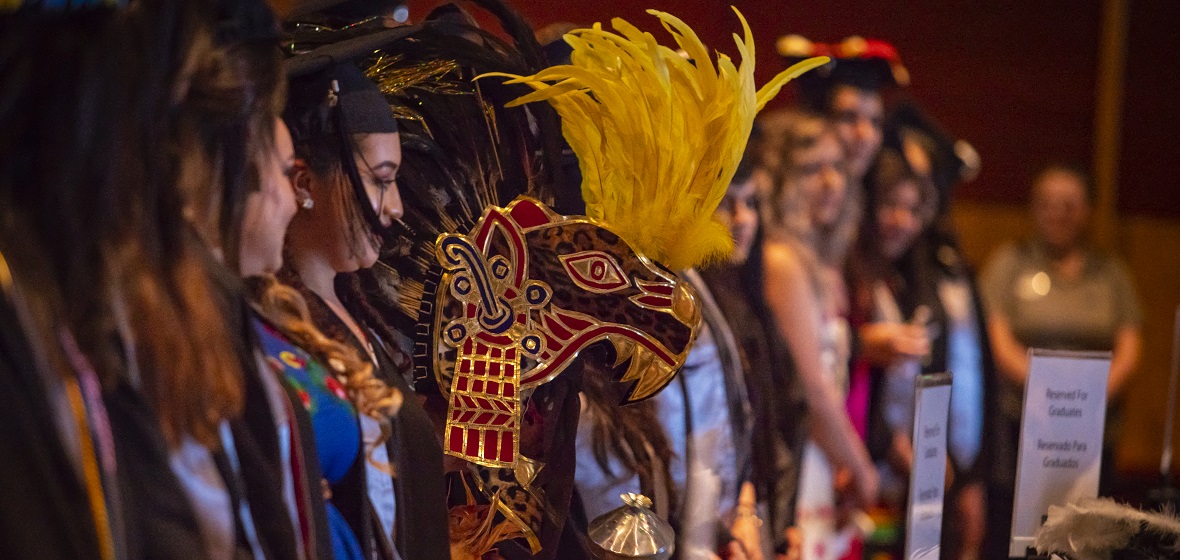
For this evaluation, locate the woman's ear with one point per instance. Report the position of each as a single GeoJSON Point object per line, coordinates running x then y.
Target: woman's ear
{"type": "Point", "coordinates": [301, 180]}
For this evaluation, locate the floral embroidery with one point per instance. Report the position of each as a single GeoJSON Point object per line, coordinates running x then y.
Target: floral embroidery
{"type": "Point", "coordinates": [306, 377]}
{"type": "Point", "coordinates": [335, 387]}
{"type": "Point", "coordinates": [292, 360]}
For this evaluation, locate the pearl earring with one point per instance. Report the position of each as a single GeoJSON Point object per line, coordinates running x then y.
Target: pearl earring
{"type": "Point", "coordinates": [304, 198]}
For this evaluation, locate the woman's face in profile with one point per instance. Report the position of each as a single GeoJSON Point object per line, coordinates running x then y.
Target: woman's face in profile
{"type": "Point", "coordinates": [858, 117]}
{"type": "Point", "coordinates": [269, 210]}
{"type": "Point", "coordinates": [739, 212]}
{"type": "Point", "coordinates": [378, 159]}
{"type": "Point", "coordinates": [343, 236]}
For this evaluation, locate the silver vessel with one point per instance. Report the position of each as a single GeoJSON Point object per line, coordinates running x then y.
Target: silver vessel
{"type": "Point", "coordinates": [632, 532]}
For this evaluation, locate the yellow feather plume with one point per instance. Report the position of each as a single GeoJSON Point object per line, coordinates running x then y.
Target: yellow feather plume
{"type": "Point", "coordinates": [658, 134]}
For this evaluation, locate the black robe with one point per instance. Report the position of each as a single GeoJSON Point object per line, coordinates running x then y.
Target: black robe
{"type": "Point", "coordinates": [917, 277]}
{"type": "Point", "coordinates": [257, 443]}
{"type": "Point", "coordinates": [159, 520]}
{"type": "Point", "coordinates": [413, 447]}
{"type": "Point", "coordinates": [44, 509]}
{"type": "Point", "coordinates": [936, 258]}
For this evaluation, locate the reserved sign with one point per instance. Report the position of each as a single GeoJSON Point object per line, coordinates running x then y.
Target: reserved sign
{"type": "Point", "coordinates": [1060, 437]}
{"type": "Point", "coordinates": [932, 403]}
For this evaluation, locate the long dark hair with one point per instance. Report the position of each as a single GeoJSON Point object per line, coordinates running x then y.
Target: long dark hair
{"type": "Point", "coordinates": [322, 143]}
{"type": "Point", "coordinates": [870, 266]}
{"type": "Point", "coordinates": [248, 32]}
{"type": "Point", "coordinates": [54, 168]}
{"type": "Point", "coordinates": [102, 106]}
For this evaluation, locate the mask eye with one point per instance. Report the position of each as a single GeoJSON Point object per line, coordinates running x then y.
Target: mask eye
{"type": "Point", "coordinates": [595, 271]}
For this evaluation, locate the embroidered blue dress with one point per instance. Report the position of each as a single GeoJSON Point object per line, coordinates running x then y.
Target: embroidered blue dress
{"type": "Point", "coordinates": [333, 419]}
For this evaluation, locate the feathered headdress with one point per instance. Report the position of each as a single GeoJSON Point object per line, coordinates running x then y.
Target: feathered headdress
{"type": "Point", "coordinates": [658, 133]}
{"type": "Point", "coordinates": [498, 290]}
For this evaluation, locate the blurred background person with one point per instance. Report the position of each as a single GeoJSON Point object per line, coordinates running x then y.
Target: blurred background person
{"type": "Point", "coordinates": [891, 310]}
{"type": "Point", "coordinates": [811, 219]}
{"type": "Point", "coordinates": [1057, 291]}
{"type": "Point", "coordinates": [778, 420]}
{"type": "Point", "coordinates": [848, 91]}
{"type": "Point", "coordinates": [958, 335]}
{"type": "Point", "coordinates": [922, 317]}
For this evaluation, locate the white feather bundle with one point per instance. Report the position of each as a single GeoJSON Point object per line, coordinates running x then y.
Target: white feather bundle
{"type": "Point", "coordinates": [1092, 528]}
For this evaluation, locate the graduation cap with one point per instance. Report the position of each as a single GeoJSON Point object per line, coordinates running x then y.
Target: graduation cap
{"type": "Point", "coordinates": [867, 64]}
{"type": "Point", "coordinates": [948, 161]}
{"type": "Point", "coordinates": [329, 97]}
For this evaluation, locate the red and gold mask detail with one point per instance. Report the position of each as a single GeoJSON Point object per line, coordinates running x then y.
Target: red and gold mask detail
{"type": "Point", "coordinates": [520, 296]}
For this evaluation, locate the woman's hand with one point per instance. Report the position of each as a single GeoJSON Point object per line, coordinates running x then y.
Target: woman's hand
{"type": "Point", "coordinates": [747, 527]}
{"type": "Point", "coordinates": [866, 483]}
{"type": "Point", "coordinates": [734, 551]}
{"type": "Point", "coordinates": [901, 454]}
{"type": "Point", "coordinates": [888, 344]}
{"type": "Point", "coordinates": [856, 491]}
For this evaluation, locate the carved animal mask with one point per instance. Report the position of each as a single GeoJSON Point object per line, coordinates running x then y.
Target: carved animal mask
{"type": "Point", "coordinates": [520, 296]}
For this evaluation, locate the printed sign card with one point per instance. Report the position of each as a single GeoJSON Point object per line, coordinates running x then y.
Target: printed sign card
{"type": "Point", "coordinates": [1060, 437]}
{"type": "Point", "coordinates": [932, 402]}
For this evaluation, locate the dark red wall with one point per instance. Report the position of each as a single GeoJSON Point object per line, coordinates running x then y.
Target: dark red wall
{"type": "Point", "coordinates": [1015, 78]}
{"type": "Point", "coordinates": [1149, 178]}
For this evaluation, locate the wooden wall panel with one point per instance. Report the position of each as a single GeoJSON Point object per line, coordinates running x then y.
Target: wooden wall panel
{"type": "Point", "coordinates": [1150, 249]}
{"type": "Point", "coordinates": [1015, 78]}
{"type": "Point", "coordinates": [1149, 182]}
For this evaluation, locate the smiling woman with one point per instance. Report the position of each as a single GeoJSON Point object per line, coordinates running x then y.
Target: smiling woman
{"type": "Point", "coordinates": [349, 154]}
{"type": "Point", "coordinates": [379, 156]}
{"type": "Point", "coordinates": [811, 219]}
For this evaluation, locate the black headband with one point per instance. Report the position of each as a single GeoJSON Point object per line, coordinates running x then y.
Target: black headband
{"type": "Point", "coordinates": [362, 105]}
{"type": "Point", "coordinates": [331, 105]}
{"type": "Point", "coordinates": [331, 97]}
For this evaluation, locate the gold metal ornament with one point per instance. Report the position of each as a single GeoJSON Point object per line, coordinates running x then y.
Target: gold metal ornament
{"type": "Point", "coordinates": [520, 296]}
